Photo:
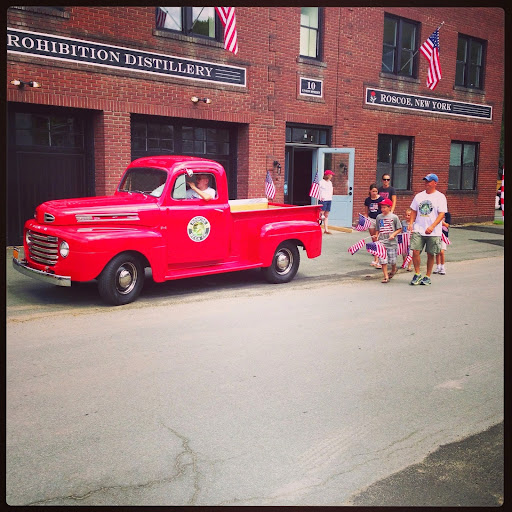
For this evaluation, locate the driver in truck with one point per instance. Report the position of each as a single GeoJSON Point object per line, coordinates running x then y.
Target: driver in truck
{"type": "Point", "coordinates": [201, 188]}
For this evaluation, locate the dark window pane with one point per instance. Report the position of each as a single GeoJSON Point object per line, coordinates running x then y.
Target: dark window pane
{"type": "Point", "coordinates": [390, 32]}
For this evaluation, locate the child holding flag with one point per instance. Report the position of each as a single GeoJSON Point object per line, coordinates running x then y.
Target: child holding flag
{"type": "Point", "coordinates": [388, 225]}
{"type": "Point", "coordinates": [372, 206]}
{"type": "Point", "coordinates": [440, 255]}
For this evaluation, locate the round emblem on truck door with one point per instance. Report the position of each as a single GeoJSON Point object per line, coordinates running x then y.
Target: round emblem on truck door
{"type": "Point", "coordinates": [198, 229]}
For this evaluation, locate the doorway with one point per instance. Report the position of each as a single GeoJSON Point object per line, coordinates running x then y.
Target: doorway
{"type": "Point", "coordinates": [299, 164]}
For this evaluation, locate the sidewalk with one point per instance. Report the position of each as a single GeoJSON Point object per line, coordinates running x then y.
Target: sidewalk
{"type": "Point", "coordinates": [468, 242]}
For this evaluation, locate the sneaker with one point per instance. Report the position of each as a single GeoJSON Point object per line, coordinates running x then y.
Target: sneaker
{"type": "Point", "coordinates": [442, 271]}
{"type": "Point", "coordinates": [426, 281]}
{"type": "Point", "coordinates": [416, 279]}
{"type": "Point", "coordinates": [436, 270]}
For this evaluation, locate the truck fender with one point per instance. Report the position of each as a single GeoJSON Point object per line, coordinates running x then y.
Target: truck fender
{"type": "Point", "coordinates": [302, 233]}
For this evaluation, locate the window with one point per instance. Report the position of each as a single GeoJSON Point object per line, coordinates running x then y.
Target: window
{"type": "Point", "coordinates": [50, 131]}
{"type": "Point", "coordinates": [191, 21]}
{"type": "Point", "coordinates": [463, 159]}
{"type": "Point", "coordinates": [152, 138]}
{"type": "Point", "coordinates": [394, 157]}
{"type": "Point", "coordinates": [144, 180]}
{"type": "Point", "coordinates": [310, 32]}
{"type": "Point", "coordinates": [399, 47]}
{"type": "Point", "coordinates": [470, 62]}
{"type": "Point", "coordinates": [205, 141]}
{"type": "Point", "coordinates": [181, 190]}
{"type": "Point", "coordinates": [306, 135]}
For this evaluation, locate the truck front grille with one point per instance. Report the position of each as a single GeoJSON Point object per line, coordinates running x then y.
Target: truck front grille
{"type": "Point", "coordinates": [43, 248]}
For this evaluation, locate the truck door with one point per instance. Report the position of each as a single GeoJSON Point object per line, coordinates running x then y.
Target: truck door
{"type": "Point", "coordinates": [197, 231]}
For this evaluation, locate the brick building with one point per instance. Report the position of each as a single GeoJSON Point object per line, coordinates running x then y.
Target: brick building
{"type": "Point", "coordinates": [311, 88]}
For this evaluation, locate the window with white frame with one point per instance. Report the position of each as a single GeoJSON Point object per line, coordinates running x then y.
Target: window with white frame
{"type": "Point", "coordinates": [191, 21]}
{"type": "Point", "coordinates": [310, 21]}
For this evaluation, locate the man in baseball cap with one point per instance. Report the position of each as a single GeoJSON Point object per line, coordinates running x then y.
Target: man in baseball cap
{"type": "Point", "coordinates": [425, 225]}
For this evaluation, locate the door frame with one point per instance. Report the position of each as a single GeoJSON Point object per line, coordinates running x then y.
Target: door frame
{"type": "Point", "coordinates": [345, 213]}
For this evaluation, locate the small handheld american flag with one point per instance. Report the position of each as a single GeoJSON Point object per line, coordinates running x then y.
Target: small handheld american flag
{"type": "Point", "coordinates": [377, 249]}
{"type": "Point", "coordinates": [315, 188]}
{"type": "Point", "coordinates": [403, 243]}
{"type": "Point", "coordinates": [444, 238]}
{"type": "Point", "coordinates": [354, 248]}
{"type": "Point", "coordinates": [407, 260]}
{"type": "Point", "coordinates": [363, 224]}
{"type": "Point", "coordinates": [270, 189]}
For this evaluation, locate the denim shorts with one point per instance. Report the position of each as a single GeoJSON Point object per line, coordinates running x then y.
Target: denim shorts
{"type": "Point", "coordinates": [326, 205]}
{"type": "Point", "coordinates": [432, 244]}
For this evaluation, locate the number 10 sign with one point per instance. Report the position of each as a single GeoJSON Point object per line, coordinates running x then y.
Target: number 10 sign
{"type": "Point", "coordinates": [311, 87]}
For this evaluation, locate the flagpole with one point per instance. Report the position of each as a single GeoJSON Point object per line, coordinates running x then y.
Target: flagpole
{"type": "Point", "coordinates": [414, 54]}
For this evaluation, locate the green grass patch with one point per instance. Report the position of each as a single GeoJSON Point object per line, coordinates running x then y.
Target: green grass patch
{"type": "Point", "coordinates": [500, 222]}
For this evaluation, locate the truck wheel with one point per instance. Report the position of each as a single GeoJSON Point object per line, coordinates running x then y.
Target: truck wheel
{"type": "Point", "coordinates": [121, 280]}
{"type": "Point", "coordinates": [285, 264]}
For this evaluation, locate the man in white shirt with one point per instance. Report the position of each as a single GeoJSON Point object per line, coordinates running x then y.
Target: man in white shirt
{"type": "Point", "coordinates": [425, 225]}
{"type": "Point", "coordinates": [200, 189]}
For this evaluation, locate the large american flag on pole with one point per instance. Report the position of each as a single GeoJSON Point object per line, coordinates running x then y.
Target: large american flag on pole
{"type": "Point", "coordinates": [354, 248]}
{"type": "Point", "coordinates": [430, 49]}
{"type": "Point", "coordinates": [315, 188]}
{"type": "Point", "coordinates": [377, 249]}
{"type": "Point", "coordinates": [270, 189]}
{"type": "Point", "coordinates": [228, 18]}
{"type": "Point", "coordinates": [161, 15]}
{"type": "Point", "coordinates": [363, 223]}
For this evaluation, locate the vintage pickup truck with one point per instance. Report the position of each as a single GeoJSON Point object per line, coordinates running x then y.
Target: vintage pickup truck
{"type": "Point", "coordinates": [151, 221]}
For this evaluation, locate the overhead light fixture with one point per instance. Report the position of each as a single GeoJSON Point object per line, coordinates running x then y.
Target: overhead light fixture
{"type": "Point", "coordinates": [21, 83]}
{"type": "Point", "coordinates": [196, 100]}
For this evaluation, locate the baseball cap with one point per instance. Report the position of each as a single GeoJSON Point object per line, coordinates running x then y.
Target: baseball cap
{"type": "Point", "coordinates": [386, 202]}
{"type": "Point", "coordinates": [431, 176]}
{"type": "Point", "coordinates": [327, 172]}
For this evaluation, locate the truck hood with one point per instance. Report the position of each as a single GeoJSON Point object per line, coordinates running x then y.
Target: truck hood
{"type": "Point", "coordinates": [125, 209]}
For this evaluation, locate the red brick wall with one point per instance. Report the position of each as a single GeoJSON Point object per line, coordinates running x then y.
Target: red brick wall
{"type": "Point", "coordinates": [269, 50]}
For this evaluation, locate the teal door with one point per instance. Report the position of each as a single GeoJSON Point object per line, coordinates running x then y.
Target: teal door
{"type": "Point", "coordinates": [341, 162]}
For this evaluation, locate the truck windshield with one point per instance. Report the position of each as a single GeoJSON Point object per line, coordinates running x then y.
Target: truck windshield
{"type": "Point", "coordinates": [144, 180]}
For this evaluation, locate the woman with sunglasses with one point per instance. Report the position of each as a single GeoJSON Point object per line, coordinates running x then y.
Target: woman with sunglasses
{"type": "Point", "coordinates": [386, 191]}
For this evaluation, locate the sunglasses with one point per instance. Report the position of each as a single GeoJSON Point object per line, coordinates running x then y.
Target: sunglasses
{"type": "Point", "coordinates": [386, 179]}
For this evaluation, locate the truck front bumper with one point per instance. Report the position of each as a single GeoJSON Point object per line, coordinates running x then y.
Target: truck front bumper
{"type": "Point", "coordinates": [22, 267]}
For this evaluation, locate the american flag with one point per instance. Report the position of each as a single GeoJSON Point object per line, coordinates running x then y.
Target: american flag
{"type": "Point", "coordinates": [407, 260]}
{"type": "Point", "coordinates": [228, 18]}
{"type": "Point", "coordinates": [363, 224]}
{"type": "Point", "coordinates": [270, 189]}
{"type": "Point", "coordinates": [354, 248]}
{"type": "Point", "coordinates": [377, 249]}
{"type": "Point", "coordinates": [315, 189]}
{"type": "Point", "coordinates": [430, 49]}
{"type": "Point", "coordinates": [502, 196]}
{"type": "Point", "coordinates": [403, 243]}
{"type": "Point", "coordinates": [161, 15]}
{"type": "Point", "coordinates": [444, 237]}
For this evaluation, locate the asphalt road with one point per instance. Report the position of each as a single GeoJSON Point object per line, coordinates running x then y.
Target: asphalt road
{"type": "Point", "coordinates": [326, 391]}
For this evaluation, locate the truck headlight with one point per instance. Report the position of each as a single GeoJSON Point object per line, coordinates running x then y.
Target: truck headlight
{"type": "Point", "coordinates": [64, 249]}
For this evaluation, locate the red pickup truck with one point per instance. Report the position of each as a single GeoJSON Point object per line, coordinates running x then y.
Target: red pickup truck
{"type": "Point", "coordinates": [157, 219]}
